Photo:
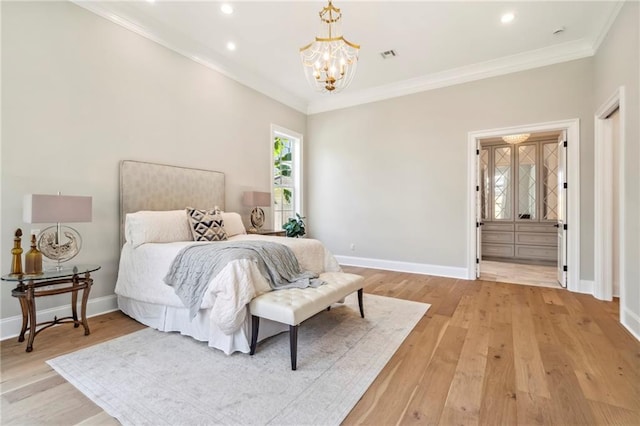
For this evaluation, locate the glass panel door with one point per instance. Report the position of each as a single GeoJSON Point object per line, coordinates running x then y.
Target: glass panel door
{"type": "Point", "coordinates": [485, 184]}
{"type": "Point", "coordinates": [527, 182]}
{"type": "Point", "coordinates": [550, 181]}
{"type": "Point", "coordinates": [502, 191]}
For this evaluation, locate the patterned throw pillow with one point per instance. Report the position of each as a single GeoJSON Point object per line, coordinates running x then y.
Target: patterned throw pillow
{"type": "Point", "coordinates": [206, 225]}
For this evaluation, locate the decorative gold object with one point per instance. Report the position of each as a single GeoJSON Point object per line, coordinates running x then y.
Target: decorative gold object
{"type": "Point", "coordinates": [33, 259]}
{"type": "Point", "coordinates": [330, 61]}
{"type": "Point", "coordinates": [16, 251]}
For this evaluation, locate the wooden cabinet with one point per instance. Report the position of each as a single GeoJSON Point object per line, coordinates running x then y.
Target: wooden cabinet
{"type": "Point", "coordinates": [518, 200]}
{"type": "Point", "coordinates": [530, 241]}
{"type": "Point", "coordinates": [497, 239]}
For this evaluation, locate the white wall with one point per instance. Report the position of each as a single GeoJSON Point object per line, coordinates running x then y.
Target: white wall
{"type": "Point", "coordinates": [617, 63]}
{"type": "Point", "coordinates": [391, 176]}
{"type": "Point", "coordinates": [80, 93]}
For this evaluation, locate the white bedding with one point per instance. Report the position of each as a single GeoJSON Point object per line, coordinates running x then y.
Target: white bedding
{"type": "Point", "coordinates": [143, 268]}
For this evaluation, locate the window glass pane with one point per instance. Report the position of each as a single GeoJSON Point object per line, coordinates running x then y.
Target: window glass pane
{"type": "Point", "coordinates": [527, 182]}
{"type": "Point", "coordinates": [550, 181]}
{"type": "Point", "coordinates": [285, 169]}
{"type": "Point", "coordinates": [502, 183]}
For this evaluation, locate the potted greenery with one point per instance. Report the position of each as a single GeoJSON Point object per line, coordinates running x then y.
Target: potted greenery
{"type": "Point", "coordinates": [295, 226]}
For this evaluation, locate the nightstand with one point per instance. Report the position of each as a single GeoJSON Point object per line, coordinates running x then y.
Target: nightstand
{"type": "Point", "coordinates": [68, 279]}
{"type": "Point", "coordinates": [280, 233]}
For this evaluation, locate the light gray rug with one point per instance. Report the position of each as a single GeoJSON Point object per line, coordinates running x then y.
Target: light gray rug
{"type": "Point", "coordinates": [153, 378]}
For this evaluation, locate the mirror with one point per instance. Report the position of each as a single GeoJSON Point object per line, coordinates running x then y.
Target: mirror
{"type": "Point", "coordinates": [484, 183]}
{"type": "Point", "coordinates": [527, 182]}
{"type": "Point", "coordinates": [502, 183]}
{"type": "Point", "coordinates": [550, 181]}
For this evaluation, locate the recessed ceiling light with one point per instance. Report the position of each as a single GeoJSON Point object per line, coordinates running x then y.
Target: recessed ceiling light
{"type": "Point", "coordinates": [507, 17]}
{"type": "Point", "coordinates": [226, 8]}
{"type": "Point", "coordinates": [231, 46]}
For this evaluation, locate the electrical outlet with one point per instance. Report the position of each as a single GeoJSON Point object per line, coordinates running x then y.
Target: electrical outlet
{"type": "Point", "coordinates": [352, 247]}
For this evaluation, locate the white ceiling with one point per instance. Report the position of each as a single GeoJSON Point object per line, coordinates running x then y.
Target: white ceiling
{"type": "Point", "coordinates": [438, 43]}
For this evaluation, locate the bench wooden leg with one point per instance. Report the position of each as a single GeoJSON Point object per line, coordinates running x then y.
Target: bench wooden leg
{"type": "Point", "coordinates": [255, 325]}
{"type": "Point", "coordinates": [293, 344]}
{"type": "Point", "coordinates": [360, 303]}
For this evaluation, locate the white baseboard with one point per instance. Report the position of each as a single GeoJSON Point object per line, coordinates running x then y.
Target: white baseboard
{"type": "Point", "coordinates": [10, 327]}
{"type": "Point", "coordinates": [631, 322]}
{"type": "Point", "coordinates": [393, 265]}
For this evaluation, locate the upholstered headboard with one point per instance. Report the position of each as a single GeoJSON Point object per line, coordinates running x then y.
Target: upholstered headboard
{"type": "Point", "coordinates": [149, 186]}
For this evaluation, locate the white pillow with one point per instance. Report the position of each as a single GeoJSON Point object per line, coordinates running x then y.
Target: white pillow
{"type": "Point", "coordinates": [157, 227]}
{"type": "Point", "coordinates": [232, 223]}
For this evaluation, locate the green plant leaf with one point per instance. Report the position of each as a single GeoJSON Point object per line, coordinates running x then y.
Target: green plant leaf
{"type": "Point", "coordinates": [295, 227]}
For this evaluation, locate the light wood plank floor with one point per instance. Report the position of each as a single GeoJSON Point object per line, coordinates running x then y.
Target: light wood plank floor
{"type": "Point", "coordinates": [517, 273]}
{"type": "Point", "coordinates": [485, 353]}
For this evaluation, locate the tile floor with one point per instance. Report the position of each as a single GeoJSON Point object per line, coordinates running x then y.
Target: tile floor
{"type": "Point", "coordinates": [538, 275]}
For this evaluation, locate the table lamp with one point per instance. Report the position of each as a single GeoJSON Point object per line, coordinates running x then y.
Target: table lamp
{"type": "Point", "coordinates": [256, 199]}
{"type": "Point", "coordinates": [59, 243]}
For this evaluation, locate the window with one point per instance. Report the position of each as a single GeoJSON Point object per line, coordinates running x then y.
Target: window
{"type": "Point", "coordinates": [286, 160]}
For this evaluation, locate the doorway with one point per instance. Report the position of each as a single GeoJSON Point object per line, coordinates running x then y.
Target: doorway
{"type": "Point", "coordinates": [571, 255]}
{"type": "Point", "coordinates": [521, 206]}
{"type": "Point", "coordinates": [609, 200]}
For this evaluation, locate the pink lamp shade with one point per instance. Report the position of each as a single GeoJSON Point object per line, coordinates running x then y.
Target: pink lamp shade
{"type": "Point", "coordinates": [40, 208]}
{"type": "Point", "coordinates": [256, 199]}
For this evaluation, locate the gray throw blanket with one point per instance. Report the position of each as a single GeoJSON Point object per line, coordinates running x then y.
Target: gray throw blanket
{"type": "Point", "coordinates": [195, 266]}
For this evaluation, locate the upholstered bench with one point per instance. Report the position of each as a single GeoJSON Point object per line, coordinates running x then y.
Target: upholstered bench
{"type": "Point", "coordinates": [294, 305]}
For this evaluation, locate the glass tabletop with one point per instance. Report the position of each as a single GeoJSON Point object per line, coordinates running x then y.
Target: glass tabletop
{"type": "Point", "coordinates": [53, 273]}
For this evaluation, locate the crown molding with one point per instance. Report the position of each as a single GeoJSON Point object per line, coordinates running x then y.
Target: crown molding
{"type": "Point", "coordinates": [509, 64]}
{"type": "Point", "coordinates": [607, 26]}
{"type": "Point", "coordinates": [235, 73]}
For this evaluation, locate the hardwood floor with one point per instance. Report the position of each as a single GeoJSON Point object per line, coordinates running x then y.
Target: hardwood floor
{"type": "Point", "coordinates": [485, 353]}
{"type": "Point", "coordinates": [517, 273]}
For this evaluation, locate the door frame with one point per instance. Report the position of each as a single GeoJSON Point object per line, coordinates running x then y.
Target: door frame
{"type": "Point", "coordinates": [572, 128]}
{"type": "Point", "coordinates": [603, 214]}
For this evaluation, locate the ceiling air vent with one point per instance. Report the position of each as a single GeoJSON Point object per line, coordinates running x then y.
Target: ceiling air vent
{"type": "Point", "coordinates": [387, 54]}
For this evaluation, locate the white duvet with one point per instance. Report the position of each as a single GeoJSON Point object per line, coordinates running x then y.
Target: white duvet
{"type": "Point", "coordinates": [142, 270]}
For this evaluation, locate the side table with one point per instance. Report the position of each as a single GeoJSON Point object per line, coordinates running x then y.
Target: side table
{"type": "Point", "coordinates": [280, 233]}
{"type": "Point", "coordinates": [68, 279]}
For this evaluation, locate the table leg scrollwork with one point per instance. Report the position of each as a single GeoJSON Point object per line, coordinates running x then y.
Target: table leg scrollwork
{"type": "Point", "coordinates": [28, 291]}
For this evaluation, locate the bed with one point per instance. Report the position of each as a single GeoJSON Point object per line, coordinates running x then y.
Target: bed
{"type": "Point", "coordinates": [155, 228]}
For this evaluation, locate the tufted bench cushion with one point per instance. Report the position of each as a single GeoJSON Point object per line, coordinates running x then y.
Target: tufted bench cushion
{"type": "Point", "coordinates": [293, 306]}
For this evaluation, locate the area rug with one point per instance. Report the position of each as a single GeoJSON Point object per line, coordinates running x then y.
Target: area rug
{"type": "Point", "coordinates": [153, 378]}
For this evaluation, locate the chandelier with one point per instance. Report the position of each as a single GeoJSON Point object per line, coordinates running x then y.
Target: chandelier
{"type": "Point", "coordinates": [516, 139]}
{"type": "Point", "coordinates": [330, 61]}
